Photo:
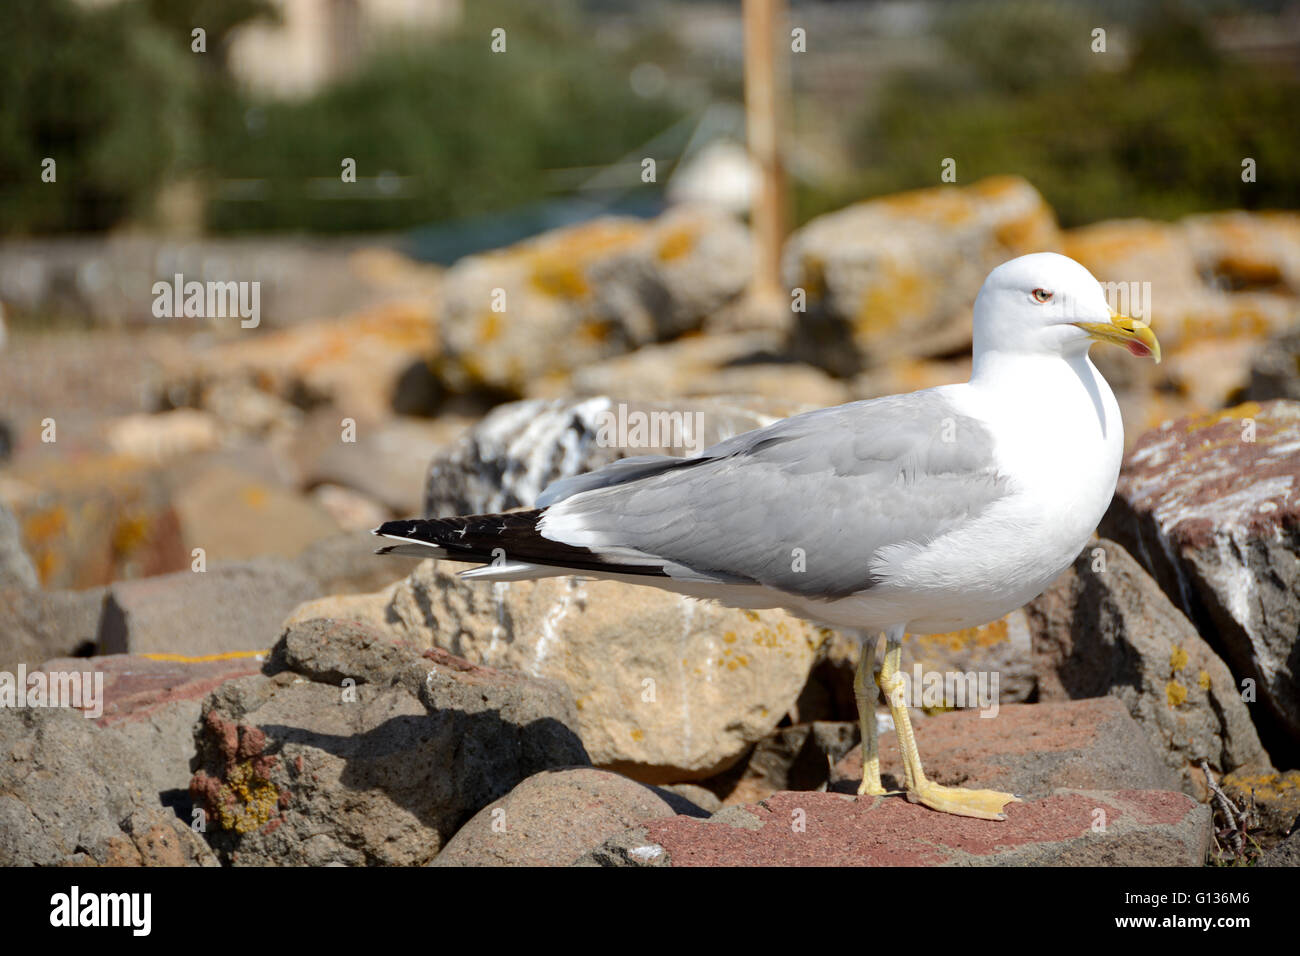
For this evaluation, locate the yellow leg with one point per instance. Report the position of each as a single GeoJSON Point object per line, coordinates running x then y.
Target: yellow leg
{"type": "Point", "coordinates": [871, 785]}
{"type": "Point", "coordinates": [984, 804]}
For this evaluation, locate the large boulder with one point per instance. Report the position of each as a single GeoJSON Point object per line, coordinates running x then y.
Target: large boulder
{"type": "Point", "coordinates": [1208, 506]}
{"type": "Point", "coordinates": [1222, 276]}
{"type": "Point", "coordinates": [552, 818]}
{"type": "Point", "coordinates": [507, 459]}
{"type": "Point", "coordinates": [16, 568]}
{"type": "Point", "coordinates": [668, 688]}
{"type": "Point", "coordinates": [88, 520]}
{"type": "Point", "coordinates": [897, 276]}
{"type": "Point", "coordinates": [731, 364]}
{"type": "Point", "coordinates": [36, 625]}
{"type": "Point", "coordinates": [366, 365]}
{"type": "Point", "coordinates": [153, 703]}
{"type": "Point", "coordinates": [357, 750]}
{"type": "Point", "coordinates": [72, 794]}
{"type": "Point", "coordinates": [1214, 287]}
{"type": "Point", "coordinates": [237, 515]}
{"type": "Point", "coordinates": [230, 607]}
{"type": "Point", "coordinates": [1105, 627]}
{"type": "Point", "coordinates": [579, 294]}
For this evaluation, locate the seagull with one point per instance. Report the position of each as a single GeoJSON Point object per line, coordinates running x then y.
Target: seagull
{"type": "Point", "coordinates": [921, 513]}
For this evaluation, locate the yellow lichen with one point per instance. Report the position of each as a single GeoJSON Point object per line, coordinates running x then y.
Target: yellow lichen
{"type": "Point", "coordinates": [1177, 659]}
{"type": "Point", "coordinates": [129, 534]}
{"type": "Point", "coordinates": [1176, 693]}
{"type": "Point", "coordinates": [1203, 680]}
{"type": "Point", "coordinates": [254, 496]}
{"type": "Point", "coordinates": [676, 244]}
{"type": "Point", "coordinates": [254, 800]}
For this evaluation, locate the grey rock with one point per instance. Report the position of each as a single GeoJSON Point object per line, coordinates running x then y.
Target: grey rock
{"type": "Point", "coordinates": [518, 449]}
{"type": "Point", "coordinates": [1275, 371]}
{"type": "Point", "coordinates": [346, 563]}
{"type": "Point", "coordinates": [896, 276]}
{"type": "Point", "coordinates": [71, 793]}
{"type": "Point", "coordinates": [1208, 506]}
{"type": "Point", "coordinates": [1105, 627]}
{"type": "Point", "coordinates": [231, 607]}
{"type": "Point", "coordinates": [298, 767]}
{"type": "Point", "coordinates": [575, 295]}
{"type": "Point", "coordinates": [36, 625]}
{"type": "Point", "coordinates": [552, 818]}
{"type": "Point", "coordinates": [16, 568]}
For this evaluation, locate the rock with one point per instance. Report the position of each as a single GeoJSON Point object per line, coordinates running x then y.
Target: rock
{"type": "Point", "coordinates": [232, 607]}
{"type": "Point", "coordinates": [1286, 853]}
{"type": "Point", "coordinates": [904, 374]}
{"type": "Point", "coordinates": [234, 516]}
{"type": "Point", "coordinates": [1247, 250]}
{"type": "Point", "coordinates": [700, 796]}
{"type": "Point", "coordinates": [797, 757]}
{"type": "Point", "coordinates": [1214, 287]}
{"type": "Point", "coordinates": [387, 462]}
{"type": "Point", "coordinates": [1105, 627]}
{"type": "Point", "coordinates": [36, 625]}
{"type": "Point", "coordinates": [518, 449]}
{"type": "Point", "coordinates": [91, 520]}
{"type": "Point", "coordinates": [153, 703]}
{"type": "Point", "coordinates": [656, 712]}
{"type": "Point", "coordinates": [1139, 828]}
{"type": "Point", "coordinates": [1028, 749]}
{"type": "Point", "coordinates": [583, 293]}
{"type": "Point", "coordinates": [301, 768]}
{"type": "Point", "coordinates": [351, 510]}
{"type": "Point", "coordinates": [1274, 797]}
{"type": "Point", "coordinates": [1208, 506]}
{"type": "Point", "coordinates": [898, 275]}
{"type": "Point", "coordinates": [659, 711]}
{"type": "Point", "coordinates": [163, 436]}
{"type": "Point", "coordinates": [1202, 280]}
{"type": "Point", "coordinates": [70, 794]}
{"type": "Point", "coordinates": [346, 563]}
{"type": "Point", "coordinates": [361, 364]}
{"type": "Point", "coordinates": [16, 568]}
{"type": "Point", "coordinates": [551, 819]}
{"type": "Point", "coordinates": [701, 365]}
{"type": "Point", "coordinates": [1275, 370]}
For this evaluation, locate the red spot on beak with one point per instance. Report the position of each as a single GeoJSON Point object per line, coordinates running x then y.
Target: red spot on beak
{"type": "Point", "coordinates": [1138, 349]}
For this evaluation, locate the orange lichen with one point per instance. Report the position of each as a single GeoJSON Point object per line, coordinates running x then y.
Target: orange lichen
{"type": "Point", "coordinates": [677, 244]}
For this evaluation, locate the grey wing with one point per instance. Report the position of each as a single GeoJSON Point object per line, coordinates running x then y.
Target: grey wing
{"type": "Point", "coordinates": [804, 505]}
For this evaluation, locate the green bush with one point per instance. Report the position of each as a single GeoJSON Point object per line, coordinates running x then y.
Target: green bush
{"type": "Point", "coordinates": [468, 130]}
{"type": "Point", "coordinates": [1021, 92]}
{"type": "Point", "coordinates": [103, 93]}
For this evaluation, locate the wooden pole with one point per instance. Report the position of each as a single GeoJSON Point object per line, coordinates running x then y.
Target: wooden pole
{"type": "Point", "coordinates": [763, 128]}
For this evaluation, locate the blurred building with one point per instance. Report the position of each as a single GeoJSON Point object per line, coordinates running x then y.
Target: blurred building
{"type": "Point", "coordinates": [318, 40]}
{"type": "Point", "coordinates": [315, 41]}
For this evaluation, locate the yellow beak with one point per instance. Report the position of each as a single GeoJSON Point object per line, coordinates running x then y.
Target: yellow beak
{"type": "Point", "coordinates": [1134, 335]}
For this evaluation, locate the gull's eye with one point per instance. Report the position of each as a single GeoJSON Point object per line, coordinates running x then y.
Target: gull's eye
{"type": "Point", "coordinates": [1041, 295]}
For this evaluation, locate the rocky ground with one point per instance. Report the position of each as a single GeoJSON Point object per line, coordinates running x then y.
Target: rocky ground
{"type": "Point", "coordinates": [184, 505]}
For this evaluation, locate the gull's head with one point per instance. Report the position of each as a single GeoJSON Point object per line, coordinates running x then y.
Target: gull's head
{"type": "Point", "coordinates": [1047, 303]}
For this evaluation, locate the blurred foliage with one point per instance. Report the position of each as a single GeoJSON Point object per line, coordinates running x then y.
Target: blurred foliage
{"type": "Point", "coordinates": [102, 91]}
{"type": "Point", "coordinates": [1020, 91]}
{"type": "Point", "coordinates": [442, 128]}
{"type": "Point", "coordinates": [116, 97]}
{"type": "Point", "coordinates": [453, 128]}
